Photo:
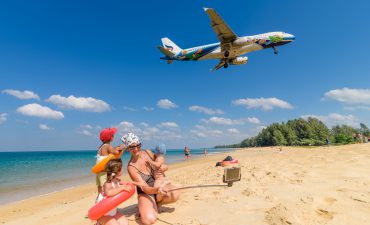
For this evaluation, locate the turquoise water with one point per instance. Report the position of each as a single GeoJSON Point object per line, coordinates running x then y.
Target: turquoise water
{"type": "Point", "coordinates": [27, 174]}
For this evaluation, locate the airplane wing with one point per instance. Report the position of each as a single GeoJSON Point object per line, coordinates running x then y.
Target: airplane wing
{"type": "Point", "coordinates": [222, 30]}
{"type": "Point", "coordinates": [165, 51]}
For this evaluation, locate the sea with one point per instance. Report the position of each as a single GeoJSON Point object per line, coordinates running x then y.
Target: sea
{"type": "Point", "coordinates": [27, 174]}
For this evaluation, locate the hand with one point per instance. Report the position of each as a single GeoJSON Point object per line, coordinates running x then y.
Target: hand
{"type": "Point", "coordinates": [123, 147]}
{"type": "Point", "coordinates": [163, 168]}
{"type": "Point", "coordinates": [127, 188]}
{"type": "Point", "coordinates": [161, 190]}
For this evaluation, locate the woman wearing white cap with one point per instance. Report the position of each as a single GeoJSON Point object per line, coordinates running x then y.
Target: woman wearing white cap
{"type": "Point", "coordinates": [141, 171]}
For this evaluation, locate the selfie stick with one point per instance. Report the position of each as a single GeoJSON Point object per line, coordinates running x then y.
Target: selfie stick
{"type": "Point", "coordinates": [200, 186]}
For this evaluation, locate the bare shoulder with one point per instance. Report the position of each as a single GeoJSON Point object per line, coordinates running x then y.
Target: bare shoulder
{"type": "Point", "coordinates": [105, 149]}
{"type": "Point", "coordinates": [148, 151]}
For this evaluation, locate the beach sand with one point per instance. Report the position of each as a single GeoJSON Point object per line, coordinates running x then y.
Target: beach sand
{"type": "Point", "coordinates": [323, 185]}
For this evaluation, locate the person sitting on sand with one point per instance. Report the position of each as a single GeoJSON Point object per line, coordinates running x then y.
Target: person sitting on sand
{"type": "Point", "coordinates": [106, 136]}
{"type": "Point", "coordinates": [141, 171]}
{"type": "Point", "coordinates": [158, 163]}
{"type": "Point", "coordinates": [111, 187]}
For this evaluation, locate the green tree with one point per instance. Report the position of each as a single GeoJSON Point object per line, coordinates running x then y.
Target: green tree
{"type": "Point", "coordinates": [342, 134]}
{"type": "Point", "coordinates": [364, 129]}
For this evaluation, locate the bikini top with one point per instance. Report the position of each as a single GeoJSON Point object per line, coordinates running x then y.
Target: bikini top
{"type": "Point", "coordinates": [148, 178]}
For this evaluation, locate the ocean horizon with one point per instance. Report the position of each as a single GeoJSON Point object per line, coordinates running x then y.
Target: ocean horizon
{"type": "Point", "coordinates": [25, 174]}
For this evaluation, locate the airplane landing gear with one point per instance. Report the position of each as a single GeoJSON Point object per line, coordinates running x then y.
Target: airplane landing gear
{"type": "Point", "coordinates": [276, 51]}
{"type": "Point", "coordinates": [226, 65]}
{"type": "Point", "coordinates": [226, 54]}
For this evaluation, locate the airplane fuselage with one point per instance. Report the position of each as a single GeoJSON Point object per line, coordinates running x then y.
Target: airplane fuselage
{"type": "Point", "coordinates": [241, 46]}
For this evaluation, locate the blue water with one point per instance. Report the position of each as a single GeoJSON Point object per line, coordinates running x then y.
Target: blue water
{"type": "Point", "coordinates": [27, 174]}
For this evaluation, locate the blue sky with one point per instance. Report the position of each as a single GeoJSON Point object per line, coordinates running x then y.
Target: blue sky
{"type": "Point", "coordinates": [94, 64]}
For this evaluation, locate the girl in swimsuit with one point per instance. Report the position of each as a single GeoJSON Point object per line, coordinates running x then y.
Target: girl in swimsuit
{"type": "Point", "coordinates": [142, 172]}
{"type": "Point", "coordinates": [111, 187]}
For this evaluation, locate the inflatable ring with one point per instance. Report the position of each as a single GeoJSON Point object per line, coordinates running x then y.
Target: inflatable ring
{"type": "Point", "coordinates": [109, 203]}
{"type": "Point", "coordinates": [99, 167]}
{"type": "Point", "coordinates": [226, 163]}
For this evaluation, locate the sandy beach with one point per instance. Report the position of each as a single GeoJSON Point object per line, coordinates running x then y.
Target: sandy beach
{"type": "Point", "coordinates": [323, 185]}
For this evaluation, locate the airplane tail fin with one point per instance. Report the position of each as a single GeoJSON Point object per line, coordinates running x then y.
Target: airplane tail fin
{"type": "Point", "coordinates": [170, 46]}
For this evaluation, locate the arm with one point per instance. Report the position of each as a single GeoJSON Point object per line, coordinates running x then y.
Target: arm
{"type": "Point", "coordinates": [117, 150]}
{"type": "Point", "coordinates": [110, 191]}
{"type": "Point", "coordinates": [134, 174]}
{"type": "Point", "coordinates": [163, 168]}
{"type": "Point", "coordinates": [158, 162]}
{"type": "Point", "coordinates": [132, 182]}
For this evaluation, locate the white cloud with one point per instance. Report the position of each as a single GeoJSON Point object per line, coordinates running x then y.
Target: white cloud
{"type": "Point", "coordinates": [45, 127]}
{"type": "Point", "coordinates": [88, 104]}
{"type": "Point", "coordinates": [129, 109]}
{"type": "Point", "coordinates": [227, 121]}
{"type": "Point", "coordinates": [37, 110]}
{"type": "Point", "coordinates": [264, 103]}
{"type": "Point", "coordinates": [87, 126]}
{"type": "Point", "coordinates": [147, 108]}
{"type": "Point", "coordinates": [166, 104]}
{"type": "Point", "coordinates": [169, 125]}
{"type": "Point", "coordinates": [146, 132]}
{"type": "Point", "coordinates": [3, 117]}
{"type": "Point", "coordinates": [333, 119]}
{"type": "Point", "coordinates": [233, 131]}
{"type": "Point", "coordinates": [353, 108]}
{"type": "Point", "coordinates": [349, 96]}
{"type": "Point", "coordinates": [125, 125]}
{"type": "Point", "coordinates": [253, 120]}
{"type": "Point", "coordinates": [89, 130]}
{"type": "Point", "coordinates": [144, 124]}
{"type": "Point", "coordinates": [203, 132]}
{"type": "Point", "coordinates": [21, 94]}
{"type": "Point", "coordinates": [87, 133]}
{"type": "Point", "coordinates": [205, 110]}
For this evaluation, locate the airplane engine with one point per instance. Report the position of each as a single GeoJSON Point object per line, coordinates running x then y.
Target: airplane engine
{"type": "Point", "coordinates": [239, 61]}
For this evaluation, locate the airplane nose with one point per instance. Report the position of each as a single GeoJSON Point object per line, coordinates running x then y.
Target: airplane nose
{"type": "Point", "coordinates": [290, 37]}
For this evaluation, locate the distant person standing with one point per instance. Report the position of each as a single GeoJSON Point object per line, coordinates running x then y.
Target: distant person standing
{"type": "Point", "coordinates": [187, 153]}
{"type": "Point", "coordinates": [355, 138]}
{"type": "Point", "coordinates": [327, 141]}
{"type": "Point", "coordinates": [205, 152]}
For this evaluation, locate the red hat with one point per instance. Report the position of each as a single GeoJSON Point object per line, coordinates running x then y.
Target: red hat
{"type": "Point", "coordinates": [107, 134]}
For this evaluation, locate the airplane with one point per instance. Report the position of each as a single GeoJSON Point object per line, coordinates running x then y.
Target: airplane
{"type": "Point", "coordinates": [229, 49]}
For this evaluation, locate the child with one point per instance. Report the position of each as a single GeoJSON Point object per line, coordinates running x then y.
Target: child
{"type": "Point", "coordinates": [159, 168]}
{"type": "Point", "coordinates": [111, 187]}
{"type": "Point", "coordinates": [106, 136]}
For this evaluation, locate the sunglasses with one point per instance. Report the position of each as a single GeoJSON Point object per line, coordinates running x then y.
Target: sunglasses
{"type": "Point", "coordinates": [135, 146]}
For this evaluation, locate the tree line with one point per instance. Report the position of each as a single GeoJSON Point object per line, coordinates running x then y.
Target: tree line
{"type": "Point", "coordinates": [304, 132]}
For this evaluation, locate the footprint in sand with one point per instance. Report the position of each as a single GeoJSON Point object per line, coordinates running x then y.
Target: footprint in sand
{"type": "Point", "coordinates": [324, 214]}
{"type": "Point", "coordinates": [277, 215]}
{"type": "Point", "coordinates": [330, 200]}
{"type": "Point", "coordinates": [248, 192]}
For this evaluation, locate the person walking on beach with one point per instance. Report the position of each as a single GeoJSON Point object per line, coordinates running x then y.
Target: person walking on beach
{"type": "Point", "coordinates": [187, 153]}
{"type": "Point", "coordinates": [142, 172]}
{"type": "Point", "coordinates": [111, 187]}
{"type": "Point", "coordinates": [106, 136]}
{"type": "Point", "coordinates": [205, 152]}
